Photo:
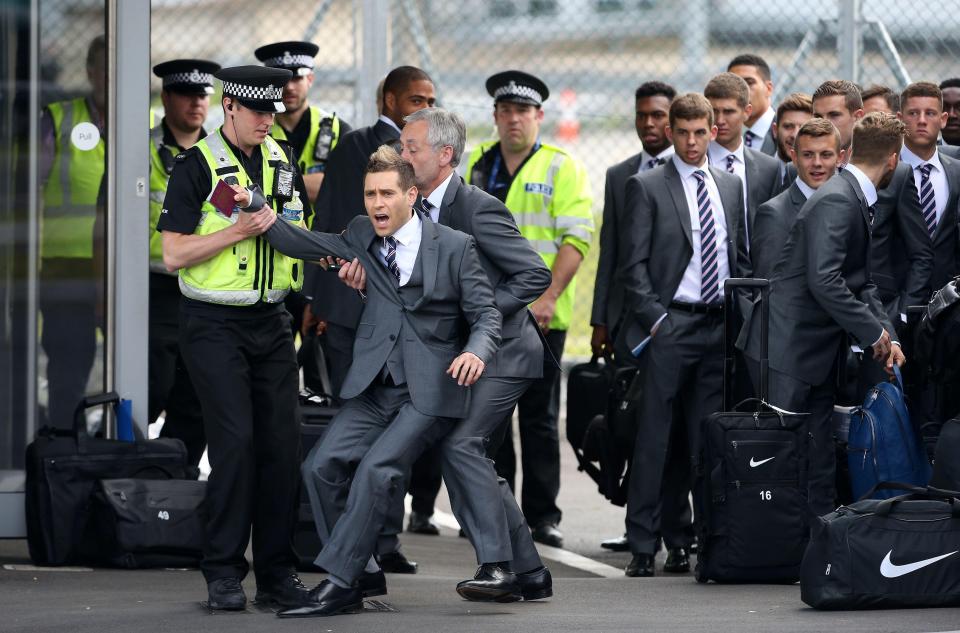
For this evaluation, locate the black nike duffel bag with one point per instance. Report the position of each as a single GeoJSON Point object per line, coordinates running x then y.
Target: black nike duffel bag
{"type": "Point", "coordinates": [899, 552]}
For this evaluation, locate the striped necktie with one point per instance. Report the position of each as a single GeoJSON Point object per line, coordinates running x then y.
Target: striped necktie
{"type": "Point", "coordinates": [730, 160]}
{"type": "Point", "coordinates": [426, 207]}
{"type": "Point", "coordinates": [390, 243]}
{"type": "Point", "coordinates": [709, 268]}
{"type": "Point", "coordinates": [749, 137]}
{"type": "Point", "coordinates": [928, 201]}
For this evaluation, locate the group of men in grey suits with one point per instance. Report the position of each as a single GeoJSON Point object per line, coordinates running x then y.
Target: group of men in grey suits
{"type": "Point", "coordinates": [860, 224]}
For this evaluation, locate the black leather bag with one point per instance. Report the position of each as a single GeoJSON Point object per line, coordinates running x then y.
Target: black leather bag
{"type": "Point", "coordinates": [63, 469]}
{"type": "Point", "coordinates": [587, 387]}
{"type": "Point", "coordinates": [752, 478]}
{"type": "Point", "coordinates": [899, 552]}
{"type": "Point", "coordinates": [316, 413]}
{"type": "Point", "coordinates": [139, 523]}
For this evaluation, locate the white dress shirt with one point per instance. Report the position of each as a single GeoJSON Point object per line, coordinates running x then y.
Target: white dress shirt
{"type": "Point", "coordinates": [436, 198]}
{"type": "Point", "coordinates": [645, 158]}
{"type": "Point", "coordinates": [938, 178]}
{"type": "Point", "coordinates": [761, 127]}
{"type": "Point", "coordinates": [717, 154]}
{"type": "Point", "coordinates": [408, 245]}
{"type": "Point", "coordinates": [804, 188]}
{"type": "Point", "coordinates": [689, 290]}
{"type": "Point", "coordinates": [866, 185]}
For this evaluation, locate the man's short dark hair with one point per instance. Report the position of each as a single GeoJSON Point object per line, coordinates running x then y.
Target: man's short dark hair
{"type": "Point", "coordinates": [386, 158]}
{"type": "Point", "coordinates": [728, 86]}
{"type": "Point", "coordinates": [953, 82]}
{"type": "Point", "coordinates": [795, 102]}
{"type": "Point", "coordinates": [398, 79]}
{"type": "Point", "coordinates": [922, 89]}
{"type": "Point", "coordinates": [749, 59]}
{"type": "Point", "coordinates": [690, 107]}
{"type": "Point", "coordinates": [876, 137]}
{"type": "Point", "coordinates": [876, 90]}
{"type": "Point", "coordinates": [841, 88]}
{"type": "Point", "coordinates": [655, 89]}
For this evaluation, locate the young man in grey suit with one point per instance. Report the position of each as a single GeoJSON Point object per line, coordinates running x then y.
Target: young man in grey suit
{"type": "Point", "coordinates": [815, 153]}
{"type": "Point", "coordinates": [822, 292]}
{"type": "Point", "coordinates": [838, 101]}
{"type": "Point", "coordinates": [758, 172]}
{"type": "Point", "coordinates": [652, 106]}
{"type": "Point", "coordinates": [685, 237]}
{"type": "Point", "coordinates": [410, 369]}
{"type": "Point", "coordinates": [760, 133]}
{"type": "Point", "coordinates": [510, 567]}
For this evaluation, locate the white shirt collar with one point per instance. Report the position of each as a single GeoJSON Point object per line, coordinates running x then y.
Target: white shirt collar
{"type": "Point", "coordinates": [804, 188]}
{"type": "Point", "coordinates": [762, 125]}
{"type": "Point", "coordinates": [686, 170]}
{"type": "Point", "coordinates": [915, 161]}
{"type": "Point", "coordinates": [868, 188]}
{"type": "Point", "coordinates": [718, 154]}
{"type": "Point", "coordinates": [389, 122]}
{"type": "Point", "coordinates": [405, 233]}
{"type": "Point", "coordinates": [436, 196]}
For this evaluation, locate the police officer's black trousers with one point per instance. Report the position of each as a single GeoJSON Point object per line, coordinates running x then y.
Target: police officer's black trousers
{"type": "Point", "coordinates": [538, 413]}
{"type": "Point", "coordinates": [170, 389]}
{"type": "Point", "coordinates": [245, 373]}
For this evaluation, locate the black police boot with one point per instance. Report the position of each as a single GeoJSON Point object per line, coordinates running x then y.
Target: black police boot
{"type": "Point", "coordinates": [226, 594]}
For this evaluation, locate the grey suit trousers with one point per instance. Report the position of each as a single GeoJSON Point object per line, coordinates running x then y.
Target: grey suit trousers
{"type": "Point", "coordinates": [355, 474]}
{"type": "Point", "coordinates": [483, 502]}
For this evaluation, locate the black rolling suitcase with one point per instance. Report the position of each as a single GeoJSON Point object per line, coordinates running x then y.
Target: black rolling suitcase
{"type": "Point", "coordinates": [65, 467]}
{"type": "Point", "coordinates": [587, 387]}
{"type": "Point", "coordinates": [316, 412]}
{"type": "Point", "coordinates": [753, 477]}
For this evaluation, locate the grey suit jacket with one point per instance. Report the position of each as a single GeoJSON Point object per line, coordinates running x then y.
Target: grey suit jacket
{"type": "Point", "coordinates": [901, 253]}
{"type": "Point", "coordinates": [946, 263]}
{"type": "Point", "coordinates": [658, 235]}
{"type": "Point", "coordinates": [763, 181]}
{"type": "Point", "coordinates": [821, 288]}
{"type": "Point", "coordinates": [953, 151]}
{"type": "Point", "coordinates": [608, 294]}
{"type": "Point", "coordinates": [455, 289]}
{"type": "Point", "coordinates": [769, 146]}
{"type": "Point", "coordinates": [516, 272]}
{"type": "Point", "coordinates": [772, 225]}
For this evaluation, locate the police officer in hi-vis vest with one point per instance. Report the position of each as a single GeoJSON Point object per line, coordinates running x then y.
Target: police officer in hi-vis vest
{"type": "Point", "coordinates": [187, 86]}
{"type": "Point", "coordinates": [548, 192]}
{"type": "Point", "coordinates": [235, 334]}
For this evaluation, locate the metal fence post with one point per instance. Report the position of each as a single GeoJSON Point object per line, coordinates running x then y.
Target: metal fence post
{"type": "Point", "coordinates": [375, 58]}
{"type": "Point", "coordinates": [849, 38]}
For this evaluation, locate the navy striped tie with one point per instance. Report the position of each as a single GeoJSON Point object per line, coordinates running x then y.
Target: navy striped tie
{"type": "Point", "coordinates": [730, 159]}
{"type": "Point", "coordinates": [709, 268]}
{"type": "Point", "coordinates": [928, 201]}
{"type": "Point", "coordinates": [748, 138]}
{"type": "Point", "coordinates": [390, 243]}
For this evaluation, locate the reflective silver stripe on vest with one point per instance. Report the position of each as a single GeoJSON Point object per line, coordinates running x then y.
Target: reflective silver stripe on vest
{"type": "Point", "coordinates": [546, 220]}
{"type": "Point", "coordinates": [157, 196]}
{"type": "Point", "coordinates": [545, 247]}
{"type": "Point", "coordinates": [66, 126]}
{"type": "Point", "coordinates": [224, 297]}
{"type": "Point", "coordinates": [552, 170]}
{"type": "Point", "coordinates": [275, 296]}
{"type": "Point", "coordinates": [220, 153]}
{"type": "Point", "coordinates": [156, 136]}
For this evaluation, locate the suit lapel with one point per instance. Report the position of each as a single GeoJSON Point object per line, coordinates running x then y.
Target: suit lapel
{"type": "Point", "coordinates": [384, 133]}
{"type": "Point", "coordinates": [951, 169]}
{"type": "Point", "coordinates": [429, 240]}
{"type": "Point", "coordinates": [751, 170]}
{"type": "Point", "coordinates": [728, 198]}
{"type": "Point", "coordinates": [796, 198]}
{"type": "Point", "coordinates": [675, 187]}
{"type": "Point", "coordinates": [448, 197]}
{"type": "Point", "coordinates": [864, 208]}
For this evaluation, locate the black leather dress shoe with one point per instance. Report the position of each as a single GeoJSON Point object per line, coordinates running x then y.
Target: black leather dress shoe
{"type": "Point", "coordinates": [641, 566]}
{"type": "Point", "coordinates": [678, 562]}
{"type": "Point", "coordinates": [286, 592]}
{"type": "Point", "coordinates": [397, 563]}
{"type": "Point", "coordinates": [536, 584]}
{"type": "Point", "coordinates": [327, 599]}
{"type": "Point", "coordinates": [422, 524]}
{"type": "Point", "coordinates": [548, 534]}
{"type": "Point", "coordinates": [618, 544]}
{"type": "Point", "coordinates": [372, 584]}
{"type": "Point", "coordinates": [226, 594]}
{"type": "Point", "coordinates": [491, 583]}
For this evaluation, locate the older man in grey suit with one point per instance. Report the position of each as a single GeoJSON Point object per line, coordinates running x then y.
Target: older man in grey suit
{"type": "Point", "coordinates": [433, 141]}
{"type": "Point", "coordinates": [425, 281]}
{"type": "Point", "coordinates": [822, 292]}
{"type": "Point", "coordinates": [684, 229]}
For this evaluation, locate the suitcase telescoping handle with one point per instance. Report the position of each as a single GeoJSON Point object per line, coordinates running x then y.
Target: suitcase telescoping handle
{"type": "Point", "coordinates": [80, 419]}
{"type": "Point", "coordinates": [730, 286]}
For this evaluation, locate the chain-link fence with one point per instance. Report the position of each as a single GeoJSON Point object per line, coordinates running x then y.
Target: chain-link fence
{"type": "Point", "coordinates": [592, 54]}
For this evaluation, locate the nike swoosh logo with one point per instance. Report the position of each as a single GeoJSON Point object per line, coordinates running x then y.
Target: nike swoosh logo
{"type": "Point", "coordinates": [754, 464]}
{"type": "Point", "coordinates": [889, 570]}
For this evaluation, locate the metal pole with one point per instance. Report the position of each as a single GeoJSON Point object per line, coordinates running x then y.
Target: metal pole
{"type": "Point", "coordinates": [694, 48]}
{"type": "Point", "coordinates": [849, 38]}
{"type": "Point", "coordinates": [375, 58]}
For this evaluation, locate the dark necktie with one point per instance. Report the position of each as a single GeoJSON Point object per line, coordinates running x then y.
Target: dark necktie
{"type": "Point", "coordinates": [390, 243]}
{"type": "Point", "coordinates": [730, 160]}
{"type": "Point", "coordinates": [872, 213]}
{"type": "Point", "coordinates": [928, 201]}
{"type": "Point", "coordinates": [653, 162]}
{"type": "Point", "coordinates": [426, 207]}
{"type": "Point", "coordinates": [749, 137]}
{"type": "Point", "coordinates": [709, 268]}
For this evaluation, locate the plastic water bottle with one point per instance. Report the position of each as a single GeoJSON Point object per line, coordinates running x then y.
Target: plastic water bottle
{"type": "Point", "coordinates": [293, 208]}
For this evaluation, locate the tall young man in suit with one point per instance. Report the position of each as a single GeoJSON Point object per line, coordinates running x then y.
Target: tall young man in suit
{"type": "Point", "coordinates": [652, 107]}
{"type": "Point", "coordinates": [815, 154]}
{"type": "Point", "coordinates": [759, 132]}
{"type": "Point", "coordinates": [792, 112]}
{"type": "Point", "coordinates": [822, 292]}
{"type": "Point", "coordinates": [427, 331]}
{"type": "Point", "coordinates": [685, 236]}
{"type": "Point", "coordinates": [510, 568]}
{"type": "Point", "coordinates": [839, 102]}
{"type": "Point", "coordinates": [759, 173]}
{"type": "Point", "coordinates": [877, 98]}
{"type": "Point", "coordinates": [336, 308]}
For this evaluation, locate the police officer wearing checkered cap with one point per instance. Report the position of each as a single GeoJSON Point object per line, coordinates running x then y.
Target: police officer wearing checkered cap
{"type": "Point", "coordinates": [235, 334]}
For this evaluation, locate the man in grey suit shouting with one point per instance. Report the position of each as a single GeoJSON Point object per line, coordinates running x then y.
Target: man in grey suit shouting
{"type": "Point", "coordinates": [822, 291]}
{"type": "Point", "coordinates": [410, 370]}
{"type": "Point", "coordinates": [684, 231]}
{"type": "Point", "coordinates": [433, 141]}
